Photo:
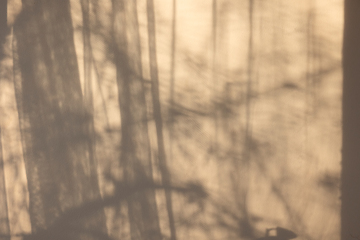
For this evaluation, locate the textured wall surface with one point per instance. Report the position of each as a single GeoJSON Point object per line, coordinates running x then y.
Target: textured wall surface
{"type": "Point", "coordinates": [251, 101]}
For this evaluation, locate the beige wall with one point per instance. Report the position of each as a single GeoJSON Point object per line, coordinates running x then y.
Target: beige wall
{"type": "Point", "coordinates": [288, 118]}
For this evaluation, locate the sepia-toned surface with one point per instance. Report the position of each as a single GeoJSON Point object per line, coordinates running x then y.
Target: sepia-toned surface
{"type": "Point", "coordinates": [250, 94]}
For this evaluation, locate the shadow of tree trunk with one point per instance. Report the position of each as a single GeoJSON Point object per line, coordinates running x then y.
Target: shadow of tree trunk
{"type": "Point", "coordinates": [51, 113]}
{"type": "Point", "coordinates": [4, 218]}
{"type": "Point", "coordinates": [3, 26]}
{"type": "Point", "coordinates": [163, 165]}
{"type": "Point", "coordinates": [135, 145]}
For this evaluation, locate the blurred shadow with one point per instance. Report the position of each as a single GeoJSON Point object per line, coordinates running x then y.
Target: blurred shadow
{"type": "Point", "coordinates": [236, 135]}
{"type": "Point", "coordinates": [69, 224]}
{"type": "Point", "coordinates": [4, 216]}
{"type": "Point", "coordinates": [4, 29]}
{"type": "Point", "coordinates": [51, 114]}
